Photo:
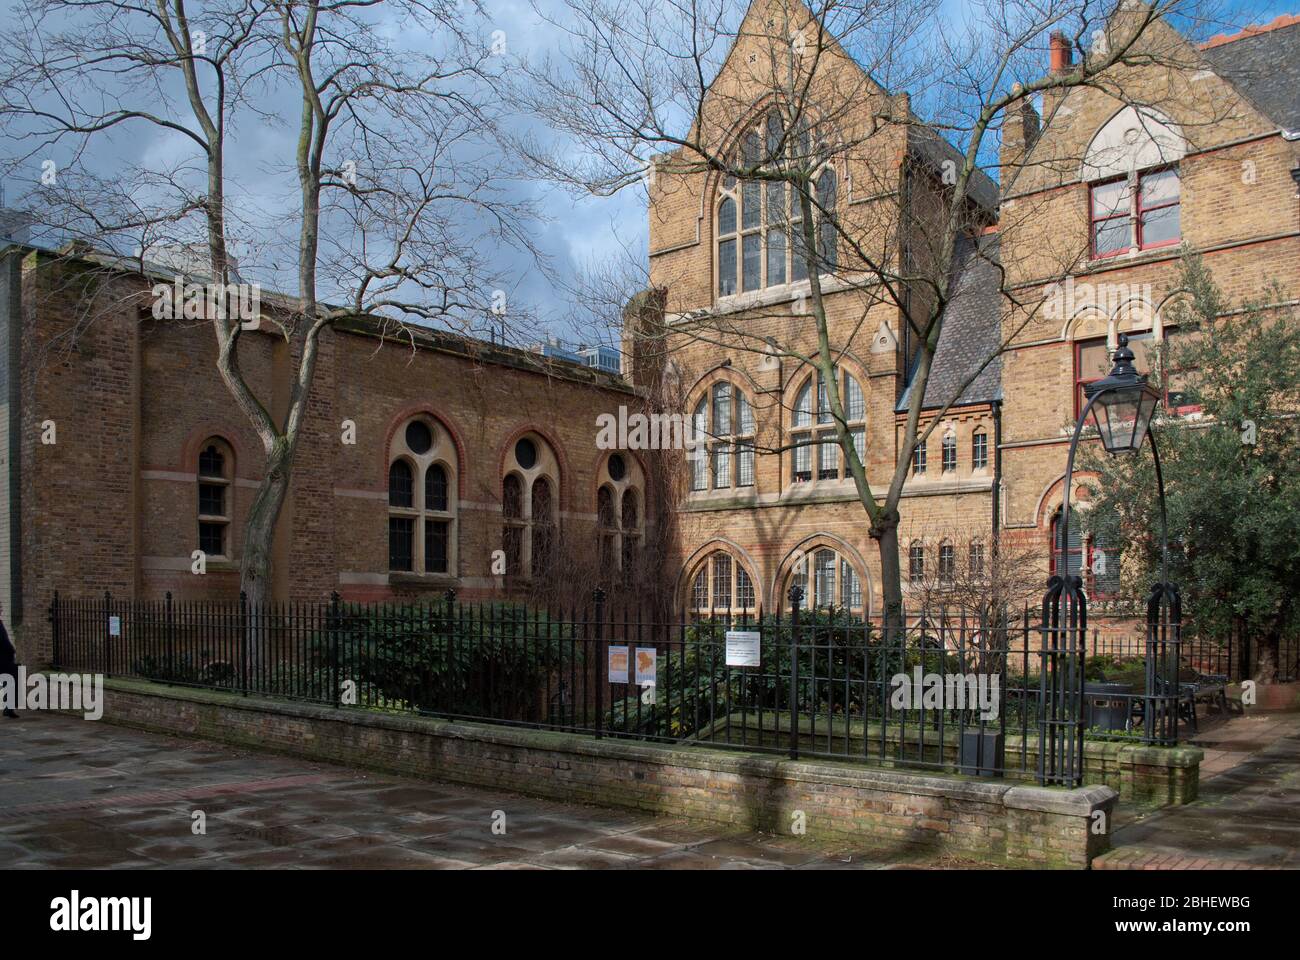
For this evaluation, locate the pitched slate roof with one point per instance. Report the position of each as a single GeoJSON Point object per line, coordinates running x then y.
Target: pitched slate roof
{"type": "Point", "coordinates": [935, 149]}
{"type": "Point", "coordinates": [972, 330]}
{"type": "Point", "coordinates": [1263, 63]}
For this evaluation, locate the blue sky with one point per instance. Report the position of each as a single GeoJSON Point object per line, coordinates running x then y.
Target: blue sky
{"type": "Point", "coordinates": [587, 228]}
{"type": "Point", "coordinates": [573, 231]}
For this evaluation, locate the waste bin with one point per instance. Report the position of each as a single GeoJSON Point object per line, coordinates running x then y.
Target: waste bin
{"type": "Point", "coordinates": [1106, 706]}
{"type": "Point", "coordinates": [983, 753]}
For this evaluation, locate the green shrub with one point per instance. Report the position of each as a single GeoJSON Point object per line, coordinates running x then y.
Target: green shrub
{"type": "Point", "coordinates": [845, 656]}
{"type": "Point", "coordinates": [492, 663]}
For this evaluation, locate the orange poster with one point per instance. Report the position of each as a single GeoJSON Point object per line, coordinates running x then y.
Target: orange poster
{"type": "Point", "coordinates": [645, 666]}
{"type": "Point", "coordinates": [618, 664]}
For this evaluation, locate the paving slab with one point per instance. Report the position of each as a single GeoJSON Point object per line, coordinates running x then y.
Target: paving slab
{"type": "Point", "coordinates": [88, 795]}
{"type": "Point", "coordinates": [1247, 812]}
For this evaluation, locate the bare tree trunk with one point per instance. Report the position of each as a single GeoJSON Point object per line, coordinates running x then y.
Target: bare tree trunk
{"type": "Point", "coordinates": [255, 566]}
{"type": "Point", "coordinates": [885, 532]}
{"type": "Point", "coordinates": [259, 535]}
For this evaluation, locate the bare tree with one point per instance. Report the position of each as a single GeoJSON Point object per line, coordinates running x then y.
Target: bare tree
{"type": "Point", "coordinates": [346, 148]}
{"type": "Point", "coordinates": [965, 574]}
{"type": "Point", "coordinates": [966, 591]}
{"type": "Point", "coordinates": [901, 105]}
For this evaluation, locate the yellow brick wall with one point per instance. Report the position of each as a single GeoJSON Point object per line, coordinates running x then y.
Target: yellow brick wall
{"type": "Point", "coordinates": [1238, 209]}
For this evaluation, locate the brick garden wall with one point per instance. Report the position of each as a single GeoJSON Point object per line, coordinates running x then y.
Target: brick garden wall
{"type": "Point", "coordinates": [1142, 775]}
{"type": "Point", "coordinates": [1023, 825]}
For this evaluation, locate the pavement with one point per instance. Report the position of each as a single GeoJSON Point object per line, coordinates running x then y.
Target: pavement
{"type": "Point", "coordinates": [78, 794]}
{"type": "Point", "coordinates": [1247, 813]}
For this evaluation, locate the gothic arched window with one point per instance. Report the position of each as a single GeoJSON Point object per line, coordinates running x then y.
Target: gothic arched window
{"type": "Point", "coordinates": [620, 512]}
{"type": "Point", "coordinates": [724, 432]}
{"type": "Point", "coordinates": [828, 580]}
{"type": "Point", "coordinates": [422, 502]}
{"type": "Point", "coordinates": [759, 222]}
{"type": "Point", "coordinates": [722, 586]}
{"type": "Point", "coordinates": [216, 490]}
{"type": "Point", "coordinates": [816, 455]}
{"type": "Point", "coordinates": [530, 494]}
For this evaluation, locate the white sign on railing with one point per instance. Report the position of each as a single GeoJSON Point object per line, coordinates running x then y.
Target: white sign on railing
{"type": "Point", "coordinates": [743, 648]}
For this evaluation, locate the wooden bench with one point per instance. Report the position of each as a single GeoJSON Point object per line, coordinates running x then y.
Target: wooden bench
{"type": "Point", "coordinates": [1193, 687]}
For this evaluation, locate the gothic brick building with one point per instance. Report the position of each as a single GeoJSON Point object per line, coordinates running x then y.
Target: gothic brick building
{"type": "Point", "coordinates": [1101, 198]}
{"type": "Point", "coordinates": [424, 459]}
{"type": "Point", "coordinates": [124, 454]}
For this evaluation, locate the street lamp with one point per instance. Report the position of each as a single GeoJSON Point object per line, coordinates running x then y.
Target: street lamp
{"type": "Point", "coordinates": [1122, 405]}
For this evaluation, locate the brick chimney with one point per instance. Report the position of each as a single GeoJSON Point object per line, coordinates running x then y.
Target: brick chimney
{"type": "Point", "coordinates": [1062, 52]}
{"type": "Point", "coordinates": [1062, 62]}
{"type": "Point", "coordinates": [1019, 132]}
{"type": "Point", "coordinates": [643, 339]}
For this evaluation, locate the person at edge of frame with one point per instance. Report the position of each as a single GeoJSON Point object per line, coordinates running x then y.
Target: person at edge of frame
{"type": "Point", "coordinates": [8, 663]}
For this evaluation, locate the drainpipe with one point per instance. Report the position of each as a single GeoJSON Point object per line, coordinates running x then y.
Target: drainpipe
{"type": "Point", "coordinates": [997, 476]}
{"type": "Point", "coordinates": [11, 392]}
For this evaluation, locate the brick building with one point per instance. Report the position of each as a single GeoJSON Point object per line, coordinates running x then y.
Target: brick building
{"type": "Point", "coordinates": [1095, 207]}
{"type": "Point", "coordinates": [463, 449]}
{"type": "Point", "coordinates": [1211, 165]}
{"type": "Point", "coordinates": [420, 459]}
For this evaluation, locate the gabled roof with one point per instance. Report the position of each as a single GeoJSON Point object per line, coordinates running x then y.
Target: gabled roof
{"type": "Point", "coordinates": [935, 150]}
{"type": "Point", "coordinates": [972, 330]}
{"type": "Point", "coordinates": [925, 140]}
{"type": "Point", "coordinates": [1263, 63]}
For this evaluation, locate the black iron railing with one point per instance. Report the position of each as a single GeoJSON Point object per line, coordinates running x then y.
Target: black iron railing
{"type": "Point", "coordinates": [1232, 657]}
{"type": "Point", "coordinates": [989, 696]}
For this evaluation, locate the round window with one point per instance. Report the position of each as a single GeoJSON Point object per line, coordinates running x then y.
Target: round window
{"type": "Point", "coordinates": [419, 438]}
{"type": "Point", "coordinates": [526, 453]}
{"type": "Point", "coordinates": [617, 468]}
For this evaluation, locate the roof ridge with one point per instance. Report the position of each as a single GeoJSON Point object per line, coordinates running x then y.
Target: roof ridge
{"type": "Point", "coordinates": [1282, 20]}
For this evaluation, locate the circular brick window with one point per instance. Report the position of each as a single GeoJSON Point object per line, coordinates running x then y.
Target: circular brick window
{"type": "Point", "coordinates": [419, 438]}
{"type": "Point", "coordinates": [526, 453]}
{"type": "Point", "coordinates": [617, 468]}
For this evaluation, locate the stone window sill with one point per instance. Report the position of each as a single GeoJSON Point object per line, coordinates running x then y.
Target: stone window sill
{"type": "Point", "coordinates": [397, 578]}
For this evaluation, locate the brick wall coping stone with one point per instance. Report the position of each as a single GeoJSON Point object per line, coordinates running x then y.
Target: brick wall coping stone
{"type": "Point", "coordinates": [1019, 824]}
{"type": "Point", "coordinates": [845, 773]}
{"type": "Point", "coordinates": [1164, 756]}
{"type": "Point", "coordinates": [1079, 802]}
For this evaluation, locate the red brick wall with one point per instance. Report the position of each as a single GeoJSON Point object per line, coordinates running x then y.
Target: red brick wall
{"type": "Point", "coordinates": [1045, 827]}
{"type": "Point", "coordinates": [113, 504]}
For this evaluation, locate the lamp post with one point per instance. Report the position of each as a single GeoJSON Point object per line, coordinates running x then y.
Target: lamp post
{"type": "Point", "coordinates": [1122, 405]}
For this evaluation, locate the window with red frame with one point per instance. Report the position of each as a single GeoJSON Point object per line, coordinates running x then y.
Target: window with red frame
{"type": "Point", "coordinates": [1098, 564]}
{"type": "Point", "coordinates": [1111, 209]}
{"type": "Point", "coordinates": [1147, 217]}
{"type": "Point", "coordinates": [1158, 216]}
{"type": "Point", "coordinates": [1092, 361]}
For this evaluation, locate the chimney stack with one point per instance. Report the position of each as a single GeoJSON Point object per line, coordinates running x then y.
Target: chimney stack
{"type": "Point", "coordinates": [1062, 53]}
{"type": "Point", "coordinates": [1020, 128]}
